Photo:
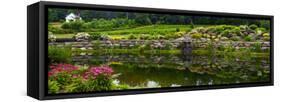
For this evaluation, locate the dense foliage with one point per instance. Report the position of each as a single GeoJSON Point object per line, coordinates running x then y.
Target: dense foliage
{"type": "Point", "coordinates": [56, 15]}
{"type": "Point", "coordinates": [153, 50]}
{"type": "Point", "coordinates": [67, 78]}
{"type": "Point", "coordinates": [59, 55]}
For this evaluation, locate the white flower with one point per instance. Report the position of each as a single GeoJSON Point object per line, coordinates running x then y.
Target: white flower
{"type": "Point", "coordinates": [82, 36]}
{"type": "Point", "coordinates": [51, 37]}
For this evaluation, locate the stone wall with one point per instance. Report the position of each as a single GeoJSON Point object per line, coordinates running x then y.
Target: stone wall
{"type": "Point", "coordinates": [153, 43]}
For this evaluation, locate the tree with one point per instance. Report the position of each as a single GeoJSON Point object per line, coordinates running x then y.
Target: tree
{"type": "Point", "coordinates": [142, 19]}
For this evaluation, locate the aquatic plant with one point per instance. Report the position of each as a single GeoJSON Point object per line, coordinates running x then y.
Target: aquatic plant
{"type": "Point", "coordinates": [59, 54]}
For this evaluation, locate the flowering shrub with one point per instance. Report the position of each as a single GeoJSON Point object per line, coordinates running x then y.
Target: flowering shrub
{"type": "Point", "coordinates": [82, 36]}
{"type": "Point", "coordinates": [61, 68]}
{"type": "Point", "coordinates": [51, 37]}
{"type": "Point", "coordinates": [71, 78]}
{"type": "Point", "coordinates": [94, 72]}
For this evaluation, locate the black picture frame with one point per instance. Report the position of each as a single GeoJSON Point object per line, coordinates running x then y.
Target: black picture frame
{"type": "Point", "coordinates": [38, 45]}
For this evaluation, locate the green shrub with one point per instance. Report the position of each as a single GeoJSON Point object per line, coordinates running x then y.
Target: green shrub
{"type": "Point", "coordinates": [132, 36]}
{"type": "Point", "coordinates": [266, 38]}
{"type": "Point", "coordinates": [229, 48]}
{"type": "Point", "coordinates": [235, 30]}
{"type": "Point", "coordinates": [53, 87]}
{"type": "Point", "coordinates": [210, 47]}
{"type": "Point", "coordinates": [199, 30]}
{"type": "Point", "coordinates": [168, 45]}
{"type": "Point", "coordinates": [197, 35]}
{"type": "Point", "coordinates": [179, 34]}
{"type": "Point", "coordinates": [63, 78]}
{"type": "Point", "coordinates": [77, 26]}
{"type": "Point", "coordinates": [58, 30]}
{"type": "Point", "coordinates": [99, 84]}
{"type": "Point", "coordinates": [177, 29]}
{"type": "Point", "coordinates": [95, 36]}
{"type": "Point", "coordinates": [266, 35]}
{"type": "Point", "coordinates": [235, 38]}
{"type": "Point", "coordinates": [158, 37]}
{"type": "Point", "coordinates": [191, 26]}
{"type": "Point", "coordinates": [144, 36]}
{"type": "Point", "coordinates": [221, 47]}
{"type": "Point", "coordinates": [248, 38]}
{"type": "Point", "coordinates": [226, 33]}
{"type": "Point", "coordinates": [257, 47]}
{"type": "Point", "coordinates": [110, 24]}
{"type": "Point", "coordinates": [212, 29]}
{"type": "Point", "coordinates": [253, 27]}
{"type": "Point", "coordinates": [173, 35]}
{"type": "Point", "coordinates": [59, 55]}
{"type": "Point", "coordinates": [66, 25]}
{"type": "Point", "coordinates": [220, 29]}
{"type": "Point", "coordinates": [188, 30]}
{"type": "Point", "coordinates": [105, 37]}
{"type": "Point", "coordinates": [262, 30]}
{"type": "Point", "coordinates": [244, 27]}
{"type": "Point", "coordinates": [265, 24]}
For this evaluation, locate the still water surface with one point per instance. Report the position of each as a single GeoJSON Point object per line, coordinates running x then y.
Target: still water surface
{"type": "Point", "coordinates": [152, 71]}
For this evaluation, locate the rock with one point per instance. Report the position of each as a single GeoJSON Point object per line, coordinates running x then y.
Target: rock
{"type": "Point", "coordinates": [224, 38]}
{"type": "Point", "coordinates": [264, 48]}
{"type": "Point", "coordinates": [203, 40]}
{"type": "Point", "coordinates": [83, 48]}
{"type": "Point", "coordinates": [266, 44]}
{"type": "Point", "coordinates": [247, 44]}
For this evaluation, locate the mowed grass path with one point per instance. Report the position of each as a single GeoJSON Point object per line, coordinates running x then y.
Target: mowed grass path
{"type": "Point", "coordinates": [64, 35]}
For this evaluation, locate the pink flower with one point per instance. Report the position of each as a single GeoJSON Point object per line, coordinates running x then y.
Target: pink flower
{"type": "Point", "coordinates": [74, 76]}
{"type": "Point", "coordinates": [92, 73]}
{"type": "Point", "coordinates": [98, 70]}
{"type": "Point", "coordinates": [50, 73]}
{"type": "Point", "coordinates": [62, 68]}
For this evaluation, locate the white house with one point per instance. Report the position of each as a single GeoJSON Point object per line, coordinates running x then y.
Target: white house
{"type": "Point", "coordinates": [72, 17]}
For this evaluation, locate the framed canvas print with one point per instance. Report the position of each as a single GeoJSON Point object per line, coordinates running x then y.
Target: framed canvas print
{"type": "Point", "coordinates": [86, 50]}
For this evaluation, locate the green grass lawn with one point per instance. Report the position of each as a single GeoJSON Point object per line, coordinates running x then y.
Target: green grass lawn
{"type": "Point", "coordinates": [56, 24]}
{"type": "Point", "coordinates": [64, 35]}
{"type": "Point", "coordinates": [137, 31]}
{"type": "Point", "coordinates": [150, 29]}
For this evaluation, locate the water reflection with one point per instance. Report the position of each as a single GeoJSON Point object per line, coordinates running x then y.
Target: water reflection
{"type": "Point", "coordinates": [152, 71]}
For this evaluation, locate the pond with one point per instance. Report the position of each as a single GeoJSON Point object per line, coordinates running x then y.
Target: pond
{"type": "Point", "coordinates": [153, 71]}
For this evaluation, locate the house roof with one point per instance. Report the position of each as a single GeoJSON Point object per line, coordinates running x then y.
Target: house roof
{"type": "Point", "coordinates": [72, 16]}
